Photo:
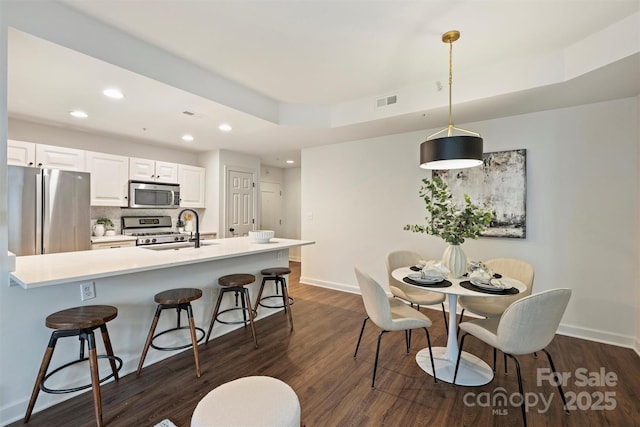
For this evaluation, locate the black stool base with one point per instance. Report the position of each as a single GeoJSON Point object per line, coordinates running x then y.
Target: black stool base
{"type": "Point", "coordinates": [83, 387]}
{"type": "Point", "coordinates": [262, 304]}
{"type": "Point", "coordinates": [157, 347]}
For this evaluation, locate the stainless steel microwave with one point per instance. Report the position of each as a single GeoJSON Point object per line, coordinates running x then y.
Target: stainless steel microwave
{"type": "Point", "coordinates": [153, 195]}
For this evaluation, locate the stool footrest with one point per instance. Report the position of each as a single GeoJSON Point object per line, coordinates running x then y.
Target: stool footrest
{"type": "Point", "coordinates": [83, 387]}
{"type": "Point", "coordinates": [260, 303]}
{"type": "Point", "coordinates": [179, 347]}
{"type": "Point", "coordinates": [235, 322]}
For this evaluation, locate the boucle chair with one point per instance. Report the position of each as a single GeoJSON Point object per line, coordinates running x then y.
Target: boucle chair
{"type": "Point", "coordinates": [256, 401]}
{"type": "Point", "coordinates": [526, 326]}
{"type": "Point", "coordinates": [389, 315]}
{"type": "Point", "coordinates": [411, 294]}
{"type": "Point", "coordinates": [495, 306]}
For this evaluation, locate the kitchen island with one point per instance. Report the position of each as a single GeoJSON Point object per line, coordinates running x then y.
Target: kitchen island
{"type": "Point", "coordinates": [63, 268]}
{"type": "Point", "coordinates": [127, 278]}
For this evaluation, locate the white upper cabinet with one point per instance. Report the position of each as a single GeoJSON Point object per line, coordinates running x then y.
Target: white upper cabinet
{"type": "Point", "coordinates": [21, 153]}
{"type": "Point", "coordinates": [24, 153]}
{"type": "Point", "coordinates": [192, 186]}
{"type": "Point", "coordinates": [109, 179]}
{"type": "Point", "coordinates": [50, 156]}
{"type": "Point", "coordinates": [166, 172]}
{"type": "Point", "coordinates": [152, 170]}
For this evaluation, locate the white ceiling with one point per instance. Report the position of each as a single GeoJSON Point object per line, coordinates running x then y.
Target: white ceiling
{"type": "Point", "coordinates": [316, 55]}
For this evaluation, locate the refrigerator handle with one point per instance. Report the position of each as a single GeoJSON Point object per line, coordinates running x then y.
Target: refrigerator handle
{"type": "Point", "coordinates": [39, 211]}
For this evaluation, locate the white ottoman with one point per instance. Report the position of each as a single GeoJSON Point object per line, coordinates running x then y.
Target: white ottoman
{"type": "Point", "coordinates": [249, 402]}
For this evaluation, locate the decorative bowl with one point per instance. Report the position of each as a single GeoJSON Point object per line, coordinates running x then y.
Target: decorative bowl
{"type": "Point", "coordinates": [261, 236]}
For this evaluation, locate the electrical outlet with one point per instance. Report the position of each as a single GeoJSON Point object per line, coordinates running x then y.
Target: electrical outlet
{"type": "Point", "coordinates": [87, 291]}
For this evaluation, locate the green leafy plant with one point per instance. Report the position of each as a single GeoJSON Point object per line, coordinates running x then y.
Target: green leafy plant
{"type": "Point", "coordinates": [446, 220]}
{"type": "Point", "coordinates": [108, 224]}
{"type": "Point", "coordinates": [179, 223]}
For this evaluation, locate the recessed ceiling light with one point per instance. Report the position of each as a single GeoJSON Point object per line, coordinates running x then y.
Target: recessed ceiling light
{"type": "Point", "coordinates": [290, 162]}
{"type": "Point", "coordinates": [187, 137]}
{"type": "Point", "coordinates": [113, 93]}
{"type": "Point", "coordinates": [79, 114]}
{"type": "Point", "coordinates": [225, 127]}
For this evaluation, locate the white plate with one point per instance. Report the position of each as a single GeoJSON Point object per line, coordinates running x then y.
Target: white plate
{"type": "Point", "coordinates": [490, 285]}
{"type": "Point", "coordinates": [427, 280]}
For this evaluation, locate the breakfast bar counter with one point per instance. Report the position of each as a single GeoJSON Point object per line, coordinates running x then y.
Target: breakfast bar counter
{"type": "Point", "coordinates": [62, 268]}
{"type": "Point", "coordinates": [126, 278]}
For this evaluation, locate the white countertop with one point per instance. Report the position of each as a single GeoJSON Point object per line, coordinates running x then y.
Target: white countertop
{"type": "Point", "coordinates": [52, 269]}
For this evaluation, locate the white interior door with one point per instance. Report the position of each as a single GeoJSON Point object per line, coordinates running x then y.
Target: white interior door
{"type": "Point", "coordinates": [271, 207]}
{"type": "Point", "coordinates": [239, 210]}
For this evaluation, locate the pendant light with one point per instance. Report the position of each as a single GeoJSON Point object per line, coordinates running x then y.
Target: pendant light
{"type": "Point", "coordinates": [451, 151]}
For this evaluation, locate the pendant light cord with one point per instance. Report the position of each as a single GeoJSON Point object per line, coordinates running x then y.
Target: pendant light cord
{"type": "Point", "coordinates": [450, 127]}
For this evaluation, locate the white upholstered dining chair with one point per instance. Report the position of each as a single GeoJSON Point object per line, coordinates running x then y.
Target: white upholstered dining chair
{"type": "Point", "coordinates": [495, 306]}
{"type": "Point", "coordinates": [389, 315]}
{"type": "Point", "coordinates": [526, 326]}
{"type": "Point", "coordinates": [411, 294]}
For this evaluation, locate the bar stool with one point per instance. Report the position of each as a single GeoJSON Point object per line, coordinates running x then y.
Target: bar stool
{"type": "Point", "coordinates": [276, 274]}
{"type": "Point", "coordinates": [78, 322]}
{"type": "Point", "coordinates": [180, 299]}
{"type": "Point", "coordinates": [249, 402]}
{"type": "Point", "coordinates": [235, 283]}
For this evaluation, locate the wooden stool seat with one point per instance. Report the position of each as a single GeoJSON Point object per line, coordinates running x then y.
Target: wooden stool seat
{"type": "Point", "coordinates": [90, 316]}
{"type": "Point", "coordinates": [178, 296]}
{"type": "Point", "coordinates": [180, 299]}
{"type": "Point", "coordinates": [234, 280]}
{"type": "Point", "coordinates": [275, 271]}
{"type": "Point", "coordinates": [276, 275]}
{"type": "Point", "coordinates": [235, 283]}
{"type": "Point", "coordinates": [78, 322]}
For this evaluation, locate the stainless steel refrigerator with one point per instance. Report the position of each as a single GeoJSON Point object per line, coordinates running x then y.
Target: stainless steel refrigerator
{"type": "Point", "coordinates": [49, 211]}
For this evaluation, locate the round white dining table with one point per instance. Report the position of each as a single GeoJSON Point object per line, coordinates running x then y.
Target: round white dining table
{"type": "Point", "coordinates": [473, 371]}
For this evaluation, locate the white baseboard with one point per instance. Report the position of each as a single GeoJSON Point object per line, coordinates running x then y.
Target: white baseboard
{"type": "Point", "coordinates": [330, 285]}
{"type": "Point", "coordinates": [295, 258]}
{"type": "Point", "coordinates": [600, 336]}
{"type": "Point", "coordinates": [604, 337]}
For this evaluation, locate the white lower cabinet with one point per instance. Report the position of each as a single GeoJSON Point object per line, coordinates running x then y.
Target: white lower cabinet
{"type": "Point", "coordinates": [109, 179]}
{"type": "Point", "coordinates": [192, 186]}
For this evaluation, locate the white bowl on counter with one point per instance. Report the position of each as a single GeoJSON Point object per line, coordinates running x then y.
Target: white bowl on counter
{"type": "Point", "coordinates": [261, 236]}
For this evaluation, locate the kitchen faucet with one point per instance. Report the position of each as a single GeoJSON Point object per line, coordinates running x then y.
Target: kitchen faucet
{"type": "Point", "coordinates": [197, 237]}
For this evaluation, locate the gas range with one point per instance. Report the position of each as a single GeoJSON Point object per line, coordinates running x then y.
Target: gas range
{"type": "Point", "coordinates": [151, 230]}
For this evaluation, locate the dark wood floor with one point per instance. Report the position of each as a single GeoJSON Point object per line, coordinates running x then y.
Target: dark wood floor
{"type": "Point", "coordinates": [334, 388]}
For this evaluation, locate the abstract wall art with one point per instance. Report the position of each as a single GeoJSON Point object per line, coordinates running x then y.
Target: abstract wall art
{"type": "Point", "coordinates": [500, 184]}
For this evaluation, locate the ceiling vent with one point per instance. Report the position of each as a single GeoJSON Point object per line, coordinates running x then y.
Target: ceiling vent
{"type": "Point", "coordinates": [387, 100]}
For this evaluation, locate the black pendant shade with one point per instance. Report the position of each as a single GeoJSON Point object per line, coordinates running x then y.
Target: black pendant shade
{"type": "Point", "coordinates": [451, 152]}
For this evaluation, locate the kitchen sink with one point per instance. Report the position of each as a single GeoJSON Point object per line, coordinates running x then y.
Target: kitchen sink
{"type": "Point", "coordinates": [177, 246]}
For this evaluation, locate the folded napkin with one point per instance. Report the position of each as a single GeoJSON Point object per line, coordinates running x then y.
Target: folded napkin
{"type": "Point", "coordinates": [434, 270]}
{"type": "Point", "coordinates": [497, 283]}
{"type": "Point", "coordinates": [481, 276]}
